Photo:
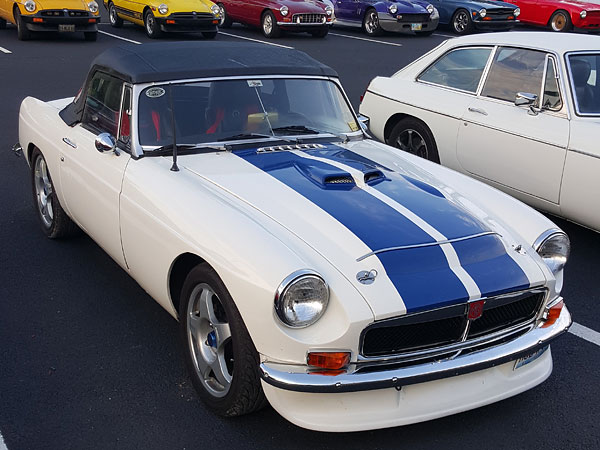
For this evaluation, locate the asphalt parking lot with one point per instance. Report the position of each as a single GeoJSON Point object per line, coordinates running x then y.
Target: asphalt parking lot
{"type": "Point", "coordinates": [90, 361]}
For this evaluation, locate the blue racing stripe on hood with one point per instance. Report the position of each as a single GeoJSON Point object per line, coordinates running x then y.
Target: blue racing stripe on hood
{"type": "Point", "coordinates": [422, 277]}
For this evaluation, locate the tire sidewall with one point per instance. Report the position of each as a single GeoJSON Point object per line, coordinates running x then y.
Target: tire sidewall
{"type": "Point", "coordinates": [423, 130]}
{"type": "Point", "coordinates": [568, 24]}
{"type": "Point", "coordinates": [469, 22]}
{"type": "Point", "coordinates": [116, 22]}
{"type": "Point", "coordinates": [274, 31]}
{"type": "Point", "coordinates": [49, 231]}
{"type": "Point", "coordinates": [375, 32]}
{"type": "Point", "coordinates": [155, 32]}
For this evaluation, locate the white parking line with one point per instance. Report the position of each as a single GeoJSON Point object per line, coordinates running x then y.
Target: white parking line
{"type": "Point", "coordinates": [585, 333]}
{"type": "Point", "coordinates": [445, 35]}
{"type": "Point", "coordinates": [2, 444]}
{"type": "Point", "coordinates": [395, 44]}
{"type": "Point", "coordinates": [253, 40]}
{"type": "Point", "coordinates": [4, 50]}
{"type": "Point", "coordinates": [119, 37]}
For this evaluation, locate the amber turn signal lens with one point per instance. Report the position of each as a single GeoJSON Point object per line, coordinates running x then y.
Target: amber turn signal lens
{"type": "Point", "coordinates": [553, 314]}
{"type": "Point", "coordinates": [37, 19]}
{"type": "Point", "coordinates": [329, 360]}
{"type": "Point", "coordinates": [170, 21]}
{"type": "Point", "coordinates": [91, 20]}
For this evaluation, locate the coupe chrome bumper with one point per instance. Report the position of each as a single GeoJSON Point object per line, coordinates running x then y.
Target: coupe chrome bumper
{"type": "Point", "coordinates": [296, 378]}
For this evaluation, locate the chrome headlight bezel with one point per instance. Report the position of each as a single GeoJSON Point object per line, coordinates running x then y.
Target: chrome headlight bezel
{"type": "Point", "coordinates": [163, 9]}
{"type": "Point", "coordinates": [286, 309]}
{"type": "Point", "coordinates": [329, 11]}
{"type": "Point", "coordinates": [284, 10]}
{"type": "Point", "coordinates": [482, 13]}
{"type": "Point", "coordinates": [583, 14]}
{"type": "Point", "coordinates": [93, 7]}
{"type": "Point", "coordinates": [393, 8]}
{"type": "Point", "coordinates": [215, 10]}
{"type": "Point", "coordinates": [554, 247]}
{"type": "Point", "coordinates": [430, 8]}
{"type": "Point", "coordinates": [517, 12]}
{"type": "Point", "coordinates": [30, 6]}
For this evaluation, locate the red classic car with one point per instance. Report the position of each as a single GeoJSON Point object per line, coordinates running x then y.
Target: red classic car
{"type": "Point", "coordinates": [273, 16]}
{"type": "Point", "coordinates": [560, 15]}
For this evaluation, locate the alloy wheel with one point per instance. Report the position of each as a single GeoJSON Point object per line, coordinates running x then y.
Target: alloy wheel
{"type": "Point", "coordinates": [43, 190]}
{"type": "Point", "coordinates": [150, 24]}
{"type": "Point", "coordinates": [559, 21]}
{"type": "Point", "coordinates": [372, 22]}
{"type": "Point", "coordinates": [412, 142]}
{"type": "Point", "coordinates": [461, 22]}
{"type": "Point", "coordinates": [268, 24]}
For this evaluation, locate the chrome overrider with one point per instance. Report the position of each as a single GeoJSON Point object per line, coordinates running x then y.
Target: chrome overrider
{"type": "Point", "coordinates": [299, 378]}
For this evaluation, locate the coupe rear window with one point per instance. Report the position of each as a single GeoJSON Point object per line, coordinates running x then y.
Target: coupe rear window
{"type": "Point", "coordinates": [458, 69]}
{"type": "Point", "coordinates": [585, 82]}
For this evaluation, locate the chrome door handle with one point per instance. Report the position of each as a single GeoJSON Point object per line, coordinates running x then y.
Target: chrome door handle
{"type": "Point", "coordinates": [478, 111]}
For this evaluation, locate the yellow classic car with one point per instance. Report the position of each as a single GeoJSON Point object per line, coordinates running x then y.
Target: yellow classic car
{"type": "Point", "coordinates": [159, 16]}
{"type": "Point", "coordinates": [31, 16]}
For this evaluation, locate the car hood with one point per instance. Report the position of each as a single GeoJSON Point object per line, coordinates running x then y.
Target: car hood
{"type": "Point", "coordinates": [491, 4]}
{"type": "Point", "coordinates": [411, 7]}
{"type": "Point", "coordinates": [345, 205]}
{"type": "Point", "coordinates": [189, 6]}
{"type": "Point", "coordinates": [63, 4]}
{"type": "Point", "coordinates": [589, 5]}
{"type": "Point", "coordinates": [304, 6]}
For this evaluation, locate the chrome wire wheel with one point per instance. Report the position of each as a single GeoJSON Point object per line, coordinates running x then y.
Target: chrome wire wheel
{"type": "Point", "coordinates": [559, 21]}
{"type": "Point", "coordinates": [268, 24]}
{"type": "Point", "coordinates": [43, 191]}
{"type": "Point", "coordinates": [113, 14]}
{"type": "Point", "coordinates": [209, 340]}
{"type": "Point", "coordinates": [150, 24]}
{"type": "Point", "coordinates": [412, 142]}
{"type": "Point", "coordinates": [372, 22]}
{"type": "Point", "coordinates": [461, 22]}
{"type": "Point", "coordinates": [221, 14]}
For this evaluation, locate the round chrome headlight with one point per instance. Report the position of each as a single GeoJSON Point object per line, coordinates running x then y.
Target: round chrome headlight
{"type": "Point", "coordinates": [284, 10]}
{"type": "Point", "coordinates": [583, 14]}
{"type": "Point", "coordinates": [30, 6]}
{"type": "Point", "coordinates": [329, 11]}
{"type": "Point", "coordinates": [163, 9]}
{"type": "Point", "coordinates": [393, 9]}
{"type": "Point", "coordinates": [301, 299]}
{"type": "Point", "coordinates": [482, 12]}
{"type": "Point", "coordinates": [93, 7]}
{"type": "Point", "coordinates": [430, 9]}
{"type": "Point", "coordinates": [215, 10]}
{"type": "Point", "coordinates": [554, 247]}
{"type": "Point", "coordinates": [517, 12]}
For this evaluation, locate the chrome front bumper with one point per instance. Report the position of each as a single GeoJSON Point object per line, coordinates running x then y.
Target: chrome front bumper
{"type": "Point", "coordinates": [296, 378]}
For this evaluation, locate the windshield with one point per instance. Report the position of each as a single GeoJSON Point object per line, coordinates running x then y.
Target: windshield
{"type": "Point", "coordinates": [585, 82]}
{"type": "Point", "coordinates": [217, 111]}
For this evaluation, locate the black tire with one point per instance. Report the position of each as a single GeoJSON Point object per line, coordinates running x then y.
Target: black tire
{"type": "Point", "coordinates": [151, 26]}
{"type": "Point", "coordinates": [23, 34]}
{"type": "Point", "coordinates": [320, 33]}
{"type": "Point", "coordinates": [371, 24]}
{"type": "Point", "coordinates": [268, 25]}
{"type": "Point", "coordinates": [406, 136]}
{"type": "Point", "coordinates": [461, 22]}
{"type": "Point", "coordinates": [209, 34]}
{"type": "Point", "coordinates": [60, 224]}
{"type": "Point", "coordinates": [90, 36]}
{"type": "Point", "coordinates": [560, 21]}
{"type": "Point", "coordinates": [244, 394]}
{"type": "Point", "coordinates": [224, 20]}
{"type": "Point", "coordinates": [113, 17]}
{"type": "Point", "coordinates": [2, 24]}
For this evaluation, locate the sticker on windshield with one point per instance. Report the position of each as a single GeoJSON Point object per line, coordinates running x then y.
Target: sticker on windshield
{"type": "Point", "coordinates": [254, 83]}
{"type": "Point", "coordinates": [353, 126]}
{"type": "Point", "coordinates": [155, 92]}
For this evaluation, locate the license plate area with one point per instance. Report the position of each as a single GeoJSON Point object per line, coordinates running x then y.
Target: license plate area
{"type": "Point", "coordinates": [529, 358]}
{"type": "Point", "coordinates": [416, 26]}
{"type": "Point", "coordinates": [66, 28]}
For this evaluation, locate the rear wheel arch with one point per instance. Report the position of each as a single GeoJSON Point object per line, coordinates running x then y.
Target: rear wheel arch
{"type": "Point", "coordinates": [180, 269]}
{"type": "Point", "coordinates": [391, 123]}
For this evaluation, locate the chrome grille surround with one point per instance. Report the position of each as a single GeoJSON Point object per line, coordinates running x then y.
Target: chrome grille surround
{"type": "Point", "coordinates": [316, 19]}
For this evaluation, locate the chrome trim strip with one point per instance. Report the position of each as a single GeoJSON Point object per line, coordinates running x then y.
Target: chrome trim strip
{"type": "Point", "coordinates": [581, 152]}
{"type": "Point", "coordinates": [299, 379]}
{"type": "Point", "coordinates": [545, 235]}
{"type": "Point", "coordinates": [427, 244]}
{"type": "Point", "coordinates": [286, 283]}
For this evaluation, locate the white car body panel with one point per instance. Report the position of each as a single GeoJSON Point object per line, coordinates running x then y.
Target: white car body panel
{"type": "Point", "coordinates": [548, 160]}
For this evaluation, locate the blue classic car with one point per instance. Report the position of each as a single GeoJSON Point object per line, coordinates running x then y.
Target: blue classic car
{"type": "Point", "coordinates": [464, 16]}
{"type": "Point", "coordinates": [376, 16]}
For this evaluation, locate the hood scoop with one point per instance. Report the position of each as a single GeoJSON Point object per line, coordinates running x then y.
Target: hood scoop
{"type": "Point", "coordinates": [326, 177]}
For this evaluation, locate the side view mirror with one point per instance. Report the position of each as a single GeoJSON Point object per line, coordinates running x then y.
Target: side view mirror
{"type": "Point", "coordinates": [527, 99]}
{"type": "Point", "coordinates": [106, 143]}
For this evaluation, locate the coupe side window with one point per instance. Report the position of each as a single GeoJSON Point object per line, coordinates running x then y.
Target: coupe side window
{"type": "Point", "coordinates": [514, 70]}
{"type": "Point", "coordinates": [102, 104]}
{"type": "Point", "coordinates": [458, 69]}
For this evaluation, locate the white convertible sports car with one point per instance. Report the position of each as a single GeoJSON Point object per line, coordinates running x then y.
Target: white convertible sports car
{"type": "Point", "coordinates": [519, 111]}
{"type": "Point", "coordinates": [349, 286]}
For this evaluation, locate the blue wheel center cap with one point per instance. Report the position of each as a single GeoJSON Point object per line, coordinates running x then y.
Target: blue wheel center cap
{"type": "Point", "coordinates": [211, 340]}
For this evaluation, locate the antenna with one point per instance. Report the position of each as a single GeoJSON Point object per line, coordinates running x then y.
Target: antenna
{"type": "Point", "coordinates": [174, 167]}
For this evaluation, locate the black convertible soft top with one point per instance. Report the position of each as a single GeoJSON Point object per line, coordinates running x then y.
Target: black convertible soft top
{"type": "Point", "coordinates": [167, 61]}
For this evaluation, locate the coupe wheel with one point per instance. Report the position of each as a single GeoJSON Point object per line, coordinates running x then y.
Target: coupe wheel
{"type": "Point", "coordinates": [54, 220]}
{"type": "Point", "coordinates": [414, 137]}
{"type": "Point", "coordinates": [219, 352]}
{"type": "Point", "coordinates": [151, 25]}
{"type": "Point", "coordinates": [114, 18]}
{"type": "Point", "coordinates": [269, 25]}
{"type": "Point", "coordinates": [371, 24]}
{"type": "Point", "coordinates": [224, 20]}
{"type": "Point", "coordinates": [560, 21]}
{"type": "Point", "coordinates": [23, 34]}
{"type": "Point", "coordinates": [461, 22]}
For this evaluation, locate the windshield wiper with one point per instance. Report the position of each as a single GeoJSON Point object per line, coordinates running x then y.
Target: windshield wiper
{"type": "Point", "coordinates": [167, 150]}
{"type": "Point", "coordinates": [242, 136]}
{"type": "Point", "coordinates": [302, 129]}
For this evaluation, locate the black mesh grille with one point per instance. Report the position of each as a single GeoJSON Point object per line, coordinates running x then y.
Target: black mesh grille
{"type": "Point", "coordinates": [62, 13]}
{"type": "Point", "coordinates": [189, 15]}
{"type": "Point", "coordinates": [500, 12]}
{"type": "Point", "coordinates": [442, 327]}
{"type": "Point", "coordinates": [413, 18]}
{"type": "Point", "coordinates": [309, 18]}
{"type": "Point", "coordinates": [496, 318]}
{"type": "Point", "coordinates": [388, 340]}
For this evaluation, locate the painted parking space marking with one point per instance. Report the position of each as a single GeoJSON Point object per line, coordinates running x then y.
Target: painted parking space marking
{"type": "Point", "coordinates": [7, 51]}
{"type": "Point", "coordinates": [585, 333]}
{"type": "Point", "coordinates": [2, 444]}
{"type": "Point", "coordinates": [119, 37]}
{"type": "Point", "coordinates": [444, 35]}
{"type": "Point", "coordinates": [254, 40]}
{"type": "Point", "coordinates": [395, 44]}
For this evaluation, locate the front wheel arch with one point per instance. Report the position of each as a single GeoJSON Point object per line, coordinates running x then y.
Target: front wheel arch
{"type": "Point", "coordinates": [180, 268]}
